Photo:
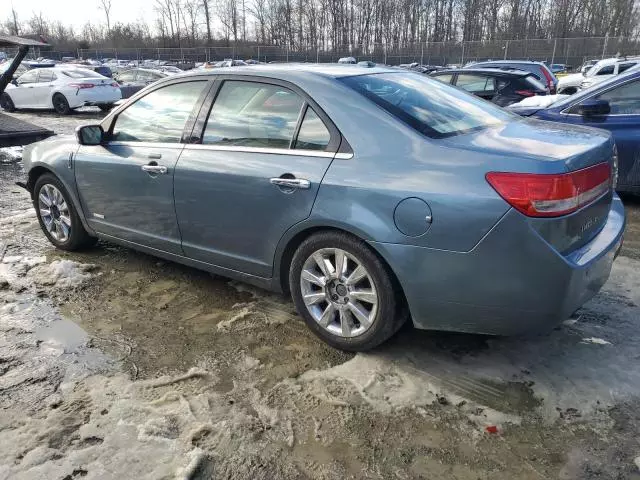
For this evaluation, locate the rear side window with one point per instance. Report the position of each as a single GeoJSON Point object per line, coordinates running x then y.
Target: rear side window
{"type": "Point", "coordinates": [475, 83]}
{"type": "Point", "coordinates": [313, 134]}
{"type": "Point", "coordinates": [445, 78]}
{"type": "Point", "coordinates": [532, 81]}
{"type": "Point", "coordinates": [432, 108]}
{"type": "Point", "coordinates": [46, 76]}
{"type": "Point", "coordinates": [623, 67]}
{"type": "Point", "coordinates": [159, 116]}
{"type": "Point", "coordinates": [127, 76]}
{"type": "Point", "coordinates": [253, 114]}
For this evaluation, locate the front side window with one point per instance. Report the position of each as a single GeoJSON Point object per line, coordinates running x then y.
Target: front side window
{"type": "Point", "coordinates": [159, 116]}
{"type": "Point", "coordinates": [313, 134]}
{"type": "Point", "coordinates": [253, 114]}
{"type": "Point", "coordinates": [606, 70]}
{"type": "Point", "coordinates": [30, 77]}
{"type": "Point", "coordinates": [431, 107]}
{"type": "Point", "coordinates": [623, 100]}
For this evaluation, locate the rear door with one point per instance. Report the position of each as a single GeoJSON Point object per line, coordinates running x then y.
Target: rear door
{"type": "Point", "coordinates": [42, 89]}
{"type": "Point", "coordinates": [126, 184]}
{"type": "Point", "coordinates": [262, 152]}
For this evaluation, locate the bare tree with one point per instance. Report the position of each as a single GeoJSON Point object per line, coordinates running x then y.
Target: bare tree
{"type": "Point", "coordinates": [105, 6]}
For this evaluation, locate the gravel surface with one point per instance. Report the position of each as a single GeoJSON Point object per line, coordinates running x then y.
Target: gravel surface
{"type": "Point", "coordinates": [114, 364]}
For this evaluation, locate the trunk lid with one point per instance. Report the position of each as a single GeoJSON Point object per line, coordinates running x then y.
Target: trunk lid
{"type": "Point", "coordinates": [542, 161]}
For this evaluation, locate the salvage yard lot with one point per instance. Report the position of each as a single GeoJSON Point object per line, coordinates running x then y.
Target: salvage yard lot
{"type": "Point", "coordinates": [114, 364]}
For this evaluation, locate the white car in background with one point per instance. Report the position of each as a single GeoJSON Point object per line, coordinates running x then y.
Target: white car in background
{"type": "Point", "coordinates": [599, 72]}
{"type": "Point", "coordinates": [60, 89]}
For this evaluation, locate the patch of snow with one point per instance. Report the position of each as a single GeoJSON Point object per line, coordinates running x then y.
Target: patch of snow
{"type": "Point", "coordinates": [595, 340]}
{"type": "Point", "coordinates": [61, 273]}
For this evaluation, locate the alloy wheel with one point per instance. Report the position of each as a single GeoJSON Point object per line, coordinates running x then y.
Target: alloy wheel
{"type": "Point", "coordinates": [339, 292]}
{"type": "Point", "coordinates": [54, 212]}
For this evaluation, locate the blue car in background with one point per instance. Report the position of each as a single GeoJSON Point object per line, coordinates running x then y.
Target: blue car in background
{"type": "Point", "coordinates": [613, 105]}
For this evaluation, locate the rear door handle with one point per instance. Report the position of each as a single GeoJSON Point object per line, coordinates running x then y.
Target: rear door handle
{"type": "Point", "coordinates": [291, 183]}
{"type": "Point", "coordinates": [155, 169]}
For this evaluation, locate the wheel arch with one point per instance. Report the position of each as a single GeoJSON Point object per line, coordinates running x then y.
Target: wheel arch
{"type": "Point", "coordinates": [36, 171]}
{"type": "Point", "coordinates": [294, 238]}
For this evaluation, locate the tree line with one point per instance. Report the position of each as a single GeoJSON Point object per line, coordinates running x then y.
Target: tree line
{"type": "Point", "coordinates": [335, 24]}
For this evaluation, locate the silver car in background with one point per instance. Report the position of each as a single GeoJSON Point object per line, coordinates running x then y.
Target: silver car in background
{"type": "Point", "coordinates": [371, 195]}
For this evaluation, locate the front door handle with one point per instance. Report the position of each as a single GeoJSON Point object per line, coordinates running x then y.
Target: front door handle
{"type": "Point", "coordinates": [291, 183]}
{"type": "Point", "coordinates": [155, 169]}
{"type": "Point", "coordinates": [156, 156]}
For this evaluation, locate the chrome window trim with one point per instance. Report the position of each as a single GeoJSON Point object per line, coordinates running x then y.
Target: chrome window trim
{"type": "Point", "coordinates": [233, 148]}
{"type": "Point", "coordinates": [271, 151]}
{"type": "Point", "coordinates": [563, 112]}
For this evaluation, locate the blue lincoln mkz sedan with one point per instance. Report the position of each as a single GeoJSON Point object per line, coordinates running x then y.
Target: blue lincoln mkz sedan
{"type": "Point", "coordinates": [372, 195]}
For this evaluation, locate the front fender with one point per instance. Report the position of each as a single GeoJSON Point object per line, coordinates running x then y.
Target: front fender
{"type": "Point", "coordinates": [55, 155]}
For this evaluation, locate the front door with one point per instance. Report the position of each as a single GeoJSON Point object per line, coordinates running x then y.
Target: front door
{"type": "Point", "coordinates": [126, 185]}
{"type": "Point", "coordinates": [22, 93]}
{"type": "Point", "coordinates": [622, 121]}
{"type": "Point", "coordinates": [252, 177]}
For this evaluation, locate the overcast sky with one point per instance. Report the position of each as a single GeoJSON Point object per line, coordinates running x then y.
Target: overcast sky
{"type": "Point", "coordinates": [78, 12]}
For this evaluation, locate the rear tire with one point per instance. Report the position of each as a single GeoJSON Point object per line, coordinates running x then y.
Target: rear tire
{"type": "Point", "coordinates": [355, 308]}
{"type": "Point", "coordinates": [60, 104]}
{"type": "Point", "coordinates": [6, 103]}
{"type": "Point", "coordinates": [106, 108]}
{"type": "Point", "coordinates": [57, 215]}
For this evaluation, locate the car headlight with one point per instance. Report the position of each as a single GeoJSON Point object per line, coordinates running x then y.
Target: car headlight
{"type": "Point", "coordinates": [614, 168]}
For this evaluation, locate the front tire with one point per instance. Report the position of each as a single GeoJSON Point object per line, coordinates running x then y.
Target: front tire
{"type": "Point", "coordinates": [57, 216]}
{"type": "Point", "coordinates": [60, 104]}
{"type": "Point", "coordinates": [106, 108]}
{"type": "Point", "coordinates": [6, 103]}
{"type": "Point", "coordinates": [344, 292]}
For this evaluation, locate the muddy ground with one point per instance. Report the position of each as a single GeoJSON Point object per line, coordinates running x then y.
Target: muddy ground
{"type": "Point", "coordinates": [114, 364]}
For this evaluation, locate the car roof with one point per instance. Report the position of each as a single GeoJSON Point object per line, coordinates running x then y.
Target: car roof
{"type": "Point", "coordinates": [613, 61]}
{"type": "Point", "coordinates": [289, 70]}
{"type": "Point", "coordinates": [508, 62]}
{"type": "Point", "coordinates": [489, 71]}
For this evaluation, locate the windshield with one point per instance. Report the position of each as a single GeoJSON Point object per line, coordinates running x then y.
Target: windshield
{"type": "Point", "coordinates": [79, 73]}
{"type": "Point", "coordinates": [431, 107]}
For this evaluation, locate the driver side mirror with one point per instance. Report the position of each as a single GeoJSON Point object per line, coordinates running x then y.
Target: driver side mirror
{"type": "Point", "coordinates": [594, 107]}
{"type": "Point", "coordinates": [90, 135]}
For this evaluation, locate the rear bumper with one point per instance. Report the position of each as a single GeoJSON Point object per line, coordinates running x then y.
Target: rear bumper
{"type": "Point", "coordinates": [511, 282]}
{"type": "Point", "coordinates": [95, 96]}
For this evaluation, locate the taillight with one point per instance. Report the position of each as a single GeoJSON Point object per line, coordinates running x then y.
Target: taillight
{"type": "Point", "coordinates": [549, 79]}
{"type": "Point", "coordinates": [551, 195]}
{"type": "Point", "coordinates": [81, 85]}
{"type": "Point", "coordinates": [525, 93]}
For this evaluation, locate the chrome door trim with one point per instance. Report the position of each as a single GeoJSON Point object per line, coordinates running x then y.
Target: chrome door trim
{"type": "Point", "coordinates": [145, 144]}
{"type": "Point", "coordinates": [272, 151]}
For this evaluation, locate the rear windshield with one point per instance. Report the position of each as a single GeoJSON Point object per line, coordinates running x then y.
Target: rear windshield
{"type": "Point", "coordinates": [78, 73]}
{"type": "Point", "coordinates": [431, 107]}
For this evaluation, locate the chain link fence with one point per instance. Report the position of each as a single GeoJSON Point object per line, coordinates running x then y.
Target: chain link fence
{"type": "Point", "coordinates": [568, 51]}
